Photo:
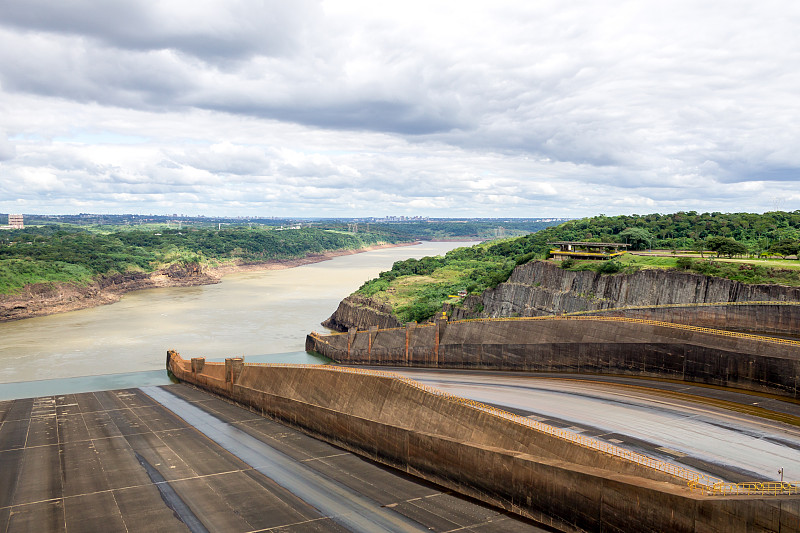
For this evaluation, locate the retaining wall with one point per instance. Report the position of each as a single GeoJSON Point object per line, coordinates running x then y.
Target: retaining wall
{"type": "Point", "coordinates": [585, 344]}
{"type": "Point", "coordinates": [477, 453]}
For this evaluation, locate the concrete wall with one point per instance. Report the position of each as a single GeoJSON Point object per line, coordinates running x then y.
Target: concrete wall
{"type": "Point", "coordinates": [758, 318]}
{"type": "Point", "coordinates": [570, 487]}
{"type": "Point", "coordinates": [583, 345]}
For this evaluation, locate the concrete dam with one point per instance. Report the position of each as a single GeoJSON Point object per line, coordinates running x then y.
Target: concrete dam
{"type": "Point", "coordinates": [579, 344]}
{"type": "Point", "coordinates": [556, 477]}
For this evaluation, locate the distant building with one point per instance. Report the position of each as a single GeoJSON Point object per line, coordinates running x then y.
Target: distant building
{"type": "Point", "coordinates": [14, 222]}
{"type": "Point", "coordinates": [586, 250]}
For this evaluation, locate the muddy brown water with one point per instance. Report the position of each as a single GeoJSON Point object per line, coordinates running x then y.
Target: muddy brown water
{"type": "Point", "coordinates": [253, 313]}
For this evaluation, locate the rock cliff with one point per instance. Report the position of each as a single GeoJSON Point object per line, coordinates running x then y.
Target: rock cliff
{"type": "Point", "coordinates": [360, 312]}
{"type": "Point", "coordinates": [542, 288]}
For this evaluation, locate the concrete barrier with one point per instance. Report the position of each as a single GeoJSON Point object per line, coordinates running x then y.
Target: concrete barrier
{"type": "Point", "coordinates": [475, 452]}
{"type": "Point", "coordinates": [582, 344]}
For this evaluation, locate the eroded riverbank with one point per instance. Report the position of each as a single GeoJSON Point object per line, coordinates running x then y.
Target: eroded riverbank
{"type": "Point", "coordinates": [42, 299]}
{"type": "Point", "coordinates": [260, 312]}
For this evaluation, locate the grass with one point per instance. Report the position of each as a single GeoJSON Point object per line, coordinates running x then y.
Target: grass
{"type": "Point", "coordinates": [761, 271]}
{"type": "Point", "coordinates": [661, 261]}
{"type": "Point", "coordinates": [418, 297]}
{"type": "Point", "coordinates": [15, 274]}
{"type": "Point", "coordinates": [415, 298]}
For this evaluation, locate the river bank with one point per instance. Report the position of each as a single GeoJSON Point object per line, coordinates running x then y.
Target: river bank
{"type": "Point", "coordinates": [260, 313]}
{"type": "Point", "coordinates": [41, 299]}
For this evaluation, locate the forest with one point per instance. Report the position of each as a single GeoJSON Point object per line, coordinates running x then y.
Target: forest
{"type": "Point", "coordinates": [681, 231]}
{"type": "Point", "coordinates": [67, 253]}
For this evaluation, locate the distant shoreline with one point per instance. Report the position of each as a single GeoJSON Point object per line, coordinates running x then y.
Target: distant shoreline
{"type": "Point", "coordinates": [42, 299]}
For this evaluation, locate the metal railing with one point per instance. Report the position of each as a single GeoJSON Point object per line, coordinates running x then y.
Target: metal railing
{"type": "Point", "coordinates": [679, 305]}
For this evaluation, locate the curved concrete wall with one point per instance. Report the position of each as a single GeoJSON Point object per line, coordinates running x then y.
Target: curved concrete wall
{"type": "Point", "coordinates": [567, 486]}
{"type": "Point", "coordinates": [579, 344]}
{"type": "Point", "coordinates": [757, 318]}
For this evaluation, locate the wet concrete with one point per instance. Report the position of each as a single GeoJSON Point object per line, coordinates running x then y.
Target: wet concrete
{"type": "Point", "coordinates": [119, 460]}
{"type": "Point", "coordinates": [645, 416]}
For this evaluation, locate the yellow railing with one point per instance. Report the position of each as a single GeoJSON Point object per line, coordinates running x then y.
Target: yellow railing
{"type": "Point", "coordinates": [762, 488]}
{"type": "Point", "coordinates": [583, 315]}
{"type": "Point", "coordinates": [578, 252]}
{"type": "Point", "coordinates": [676, 306]}
{"type": "Point", "coordinates": [695, 480]}
{"type": "Point", "coordinates": [672, 325]}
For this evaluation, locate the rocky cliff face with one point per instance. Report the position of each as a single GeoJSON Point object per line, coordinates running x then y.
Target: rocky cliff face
{"type": "Point", "coordinates": [360, 312]}
{"type": "Point", "coordinates": [542, 288]}
{"type": "Point", "coordinates": [47, 298]}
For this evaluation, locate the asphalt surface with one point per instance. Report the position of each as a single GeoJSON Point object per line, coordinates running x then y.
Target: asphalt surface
{"type": "Point", "coordinates": [675, 422]}
{"type": "Point", "coordinates": [122, 461]}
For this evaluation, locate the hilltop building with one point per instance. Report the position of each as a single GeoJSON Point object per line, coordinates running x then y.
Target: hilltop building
{"type": "Point", "coordinates": [14, 222]}
{"type": "Point", "coordinates": [587, 250]}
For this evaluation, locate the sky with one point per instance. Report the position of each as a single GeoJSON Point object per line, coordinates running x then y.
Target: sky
{"type": "Point", "coordinates": [433, 108]}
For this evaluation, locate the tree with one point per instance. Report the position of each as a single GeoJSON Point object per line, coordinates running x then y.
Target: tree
{"type": "Point", "coordinates": [785, 248]}
{"type": "Point", "coordinates": [638, 238]}
{"type": "Point", "coordinates": [726, 246]}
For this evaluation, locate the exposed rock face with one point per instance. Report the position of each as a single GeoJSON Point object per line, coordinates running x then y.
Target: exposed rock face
{"type": "Point", "coordinates": [541, 288]}
{"type": "Point", "coordinates": [47, 298]}
{"type": "Point", "coordinates": [360, 312]}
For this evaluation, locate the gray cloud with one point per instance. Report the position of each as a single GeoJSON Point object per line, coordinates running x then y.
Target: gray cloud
{"type": "Point", "coordinates": [207, 30]}
{"type": "Point", "coordinates": [349, 105]}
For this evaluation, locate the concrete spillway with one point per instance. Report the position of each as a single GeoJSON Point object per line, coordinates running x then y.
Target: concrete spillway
{"type": "Point", "coordinates": [122, 461]}
{"type": "Point", "coordinates": [556, 477]}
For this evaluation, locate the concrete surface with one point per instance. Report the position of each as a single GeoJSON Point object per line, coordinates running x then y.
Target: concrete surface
{"type": "Point", "coordinates": [591, 345]}
{"type": "Point", "coordinates": [496, 459]}
{"type": "Point", "coordinates": [120, 461]}
{"type": "Point", "coordinates": [720, 433]}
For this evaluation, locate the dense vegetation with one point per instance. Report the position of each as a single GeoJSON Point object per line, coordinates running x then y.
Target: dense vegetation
{"type": "Point", "coordinates": [416, 290]}
{"type": "Point", "coordinates": [681, 231]}
{"type": "Point", "coordinates": [69, 253]}
{"type": "Point", "coordinates": [753, 271]}
{"type": "Point", "coordinates": [478, 229]}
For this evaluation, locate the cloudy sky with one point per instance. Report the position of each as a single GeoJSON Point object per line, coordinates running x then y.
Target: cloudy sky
{"type": "Point", "coordinates": [363, 108]}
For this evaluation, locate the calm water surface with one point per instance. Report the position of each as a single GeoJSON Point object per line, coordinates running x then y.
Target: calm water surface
{"type": "Point", "coordinates": [265, 314]}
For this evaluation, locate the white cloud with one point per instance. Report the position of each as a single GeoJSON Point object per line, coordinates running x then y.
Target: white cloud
{"type": "Point", "coordinates": [356, 108]}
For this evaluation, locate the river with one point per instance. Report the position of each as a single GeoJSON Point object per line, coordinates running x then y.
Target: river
{"type": "Point", "coordinates": [265, 314]}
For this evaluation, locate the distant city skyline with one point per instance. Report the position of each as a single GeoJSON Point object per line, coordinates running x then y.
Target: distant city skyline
{"type": "Point", "coordinates": [363, 109]}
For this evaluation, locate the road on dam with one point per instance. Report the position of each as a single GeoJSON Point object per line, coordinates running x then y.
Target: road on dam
{"type": "Point", "coordinates": [174, 458]}
{"type": "Point", "coordinates": [683, 424]}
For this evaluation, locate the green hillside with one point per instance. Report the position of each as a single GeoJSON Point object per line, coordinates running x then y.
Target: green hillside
{"type": "Point", "coordinates": [416, 289]}
{"type": "Point", "coordinates": [62, 253]}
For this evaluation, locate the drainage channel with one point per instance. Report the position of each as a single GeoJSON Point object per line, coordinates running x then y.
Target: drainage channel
{"type": "Point", "coordinates": [346, 507]}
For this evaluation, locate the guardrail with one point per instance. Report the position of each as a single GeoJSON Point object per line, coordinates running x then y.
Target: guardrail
{"type": "Point", "coordinates": [672, 325]}
{"type": "Point", "coordinates": [674, 306]}
{"type": "Point", "coordinates": [695, 480]}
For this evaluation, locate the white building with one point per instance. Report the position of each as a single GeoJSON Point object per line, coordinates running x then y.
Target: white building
{"type": "Point", "coordinates": [15, 221]}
